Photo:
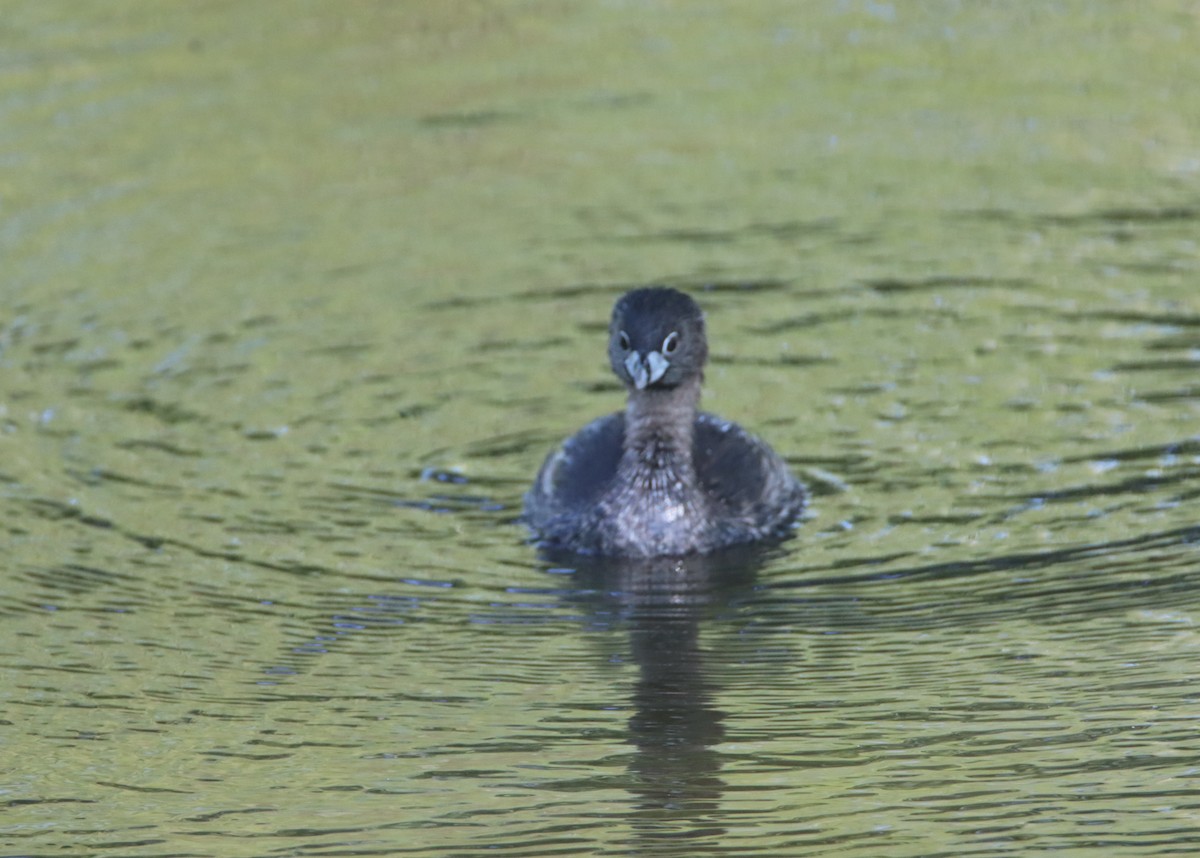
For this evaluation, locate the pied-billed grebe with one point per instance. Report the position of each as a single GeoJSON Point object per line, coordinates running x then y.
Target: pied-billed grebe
{"type": "Point", "coordinates": [660, 478]}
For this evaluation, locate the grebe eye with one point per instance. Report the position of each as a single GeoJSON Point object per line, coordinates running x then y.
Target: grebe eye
{"type": "Point", "coordinates": [671, 343]}
{"type": "Point", "coordinates": [623, 341]}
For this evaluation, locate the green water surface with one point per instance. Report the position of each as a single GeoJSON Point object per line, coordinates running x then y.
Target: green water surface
{"type": "Point", "coordinates": [294, 297]}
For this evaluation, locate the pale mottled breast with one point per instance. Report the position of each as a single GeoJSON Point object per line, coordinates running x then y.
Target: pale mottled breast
{"type": "Point", "coordinates": [743, 492]}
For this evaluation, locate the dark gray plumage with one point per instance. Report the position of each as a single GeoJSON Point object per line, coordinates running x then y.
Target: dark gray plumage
{"type": "Point", "coordinates": [661, 478]}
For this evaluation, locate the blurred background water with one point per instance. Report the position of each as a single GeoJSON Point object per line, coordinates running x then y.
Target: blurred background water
{"type": "Point", "coordinates": [295, 297]}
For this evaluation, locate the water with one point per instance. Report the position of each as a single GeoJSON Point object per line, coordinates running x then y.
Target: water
{"type": "Point", "coordinates": [295, 298]}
